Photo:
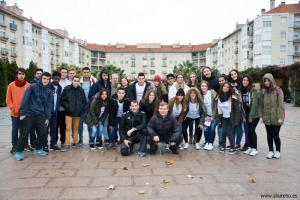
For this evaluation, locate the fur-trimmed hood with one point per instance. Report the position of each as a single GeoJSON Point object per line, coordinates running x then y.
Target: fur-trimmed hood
{"type": "Point", "coordinates": [198, 95]}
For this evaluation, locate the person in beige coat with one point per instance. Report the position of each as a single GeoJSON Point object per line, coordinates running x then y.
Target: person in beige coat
{"type": "Point", "coordinates": [271, 112]}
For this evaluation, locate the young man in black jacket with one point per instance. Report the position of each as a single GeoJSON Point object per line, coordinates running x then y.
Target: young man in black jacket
{"type": "Point", "coordinates": [133, 130]}
{"type": "Point", "coordinates": [163, 127]}
{"type": "Point", "coordinates": [119, 103]}
{"type": "Point", "coordinates": [73, 101]}
{"type": "Point", "coordinates": [139, 88]}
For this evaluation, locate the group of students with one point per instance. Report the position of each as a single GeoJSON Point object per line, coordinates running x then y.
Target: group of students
{"type": "Point", "coordinates": [143, 112]}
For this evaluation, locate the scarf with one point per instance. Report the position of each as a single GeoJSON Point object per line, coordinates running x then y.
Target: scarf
{"type": "Point", "coordinates": [244, 89]}
{"type": "Point", "coordinates": [224, 97]}
{"type": "Point", "coordinates": [177, 85]}
{"type": "Point", "coordinates": [20, 83]}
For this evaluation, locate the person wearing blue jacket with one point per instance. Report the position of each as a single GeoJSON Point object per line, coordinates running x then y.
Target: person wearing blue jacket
{"type": "Point", "coordinates": [56, 92]}
{"type": "Point", "coordinates": [35, 112]}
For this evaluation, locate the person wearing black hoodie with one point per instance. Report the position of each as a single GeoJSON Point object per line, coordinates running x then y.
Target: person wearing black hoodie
{"type": "Point", "coordinates": [209, 76]}
{"type": "Point", "coordinates": [35, 112]}
{"type": "Point", "coordinates": [104, 82]}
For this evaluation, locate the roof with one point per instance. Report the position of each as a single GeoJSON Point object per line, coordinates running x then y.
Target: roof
{"type": "Point", "coordinates": [163, 49]}
{"type": "Point", "coordinates": [286, 8]}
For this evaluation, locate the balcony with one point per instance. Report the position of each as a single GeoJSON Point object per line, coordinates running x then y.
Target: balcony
{"type": "Point", "coordinates": [214, 51]}
{"type": "Point", "coordinates": [164, 72]}
{"type": "Point", "coordinates": [152, 58]}
{"type": "Point", "coordinates": [52, 42]}
{"type": "Point", "coordinates": [164, 64]}
{"type": "Point", "coordinates": [194, 57]}
{"type": "Point", "coordinates": [4, 51]}
{"type": "Point", "coordinates": [296, 39]}
{"type": "Point", "coordinates": [164, 57]}
{"type": "Point", "coordinates": [52, 62]}
{"type": "Point", "coordinates": [297, 24]}
{"type": "Point", "coordinates": [236, 51]}
{"type": "Point", "coordinates": [250, 56]}
{"type": "Point", "coordinates": [14, 40]}
{"type": "Point", "coordinates": [13, 26]}
{"type": "Point", "coordinates": [202, 64]}
{"type": "Point", "coordinates": [101, 56]}
{"type": "Point", "coordinates": [101, 63]}
{"type": "Point", "coordinates": [250, 45]}
{"type": "Point", "coordinates": [13, 53]}
{"type": "Point", "coordinates": [297, 53]}
{"type": "Point", "coordinates": [52, 52]}
{"type": "Point", "coordinates": [132, 57]}
{"type": "Point", "coordinates": [236, 61]}
{"type": "Point", "coordinates": [202, 57]}
{"type": "Point", "coordinates": [145, 71]}
{"type": "Point", "coordinates": [236, 40]}
{"type": "Point", "coordinates": [57, 63]}
{"type": "Point", "coordinates": [250, 32]}
{"type": "Point", "coordinates": [152, 65]}
{"type": "Point", "coordinates": [87, 63]}
{"type": "Point", "coordinates": [57, 44]}
{"type": "Point", "coordinates": [57, 53]}
{"type": "Point", "coordinates": [144, 57]}
{"type": "Point", "coordinates": [3, 37]}
{"type": "Point", "coordinates": [133, 72]}
{"type": "Point", "coordinates": [215, 59]}
{"type": "Point", "coordinates": [3, 23]}
{"type": "Point", "coordinates": [87, 55]}
{"type": "Point", "coordinates": [145, 65]}
{"type": "Point", "coordinates": [152, 71]}
{"type": "Point", "coordinates": [133, 65]}
{"type": "Point", "coordinates": [94, 55]}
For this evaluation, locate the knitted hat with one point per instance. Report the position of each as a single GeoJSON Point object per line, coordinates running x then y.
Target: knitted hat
{"type": "Point", "coordinates": [180, 91]}
{"type": "Point", "coordinates": [157, 78]}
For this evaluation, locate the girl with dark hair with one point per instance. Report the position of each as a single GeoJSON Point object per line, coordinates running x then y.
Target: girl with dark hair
{"type": "Point", "coordinates": [126, 84]}
{"type": "Point", "coordinates": [271, 113]}
{"type": "Point", "coordinates": [96, 116]}
{"type": "Point", "coordinates": [149, 104]}
{"type": "Point", "coordinates": [236, 80]}
{"type": "Point", "coordinates": [228, 114]}
{"type": "Point", "coordinates": [250, 113]}
{"type": "Point", "coordinates": [160, 89]}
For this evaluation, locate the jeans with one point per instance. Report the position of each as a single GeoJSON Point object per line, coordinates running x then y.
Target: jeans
{"type": "Point", "coordinates": [113, 133]}
{"type": "Point", "coordinates": [81, 122]}
{"type": "Point", "coordinates": [238, 132]}
{"type": "Point", "coordinates": [209, 132]}
{"type": "Point", "coordinates": [246, 129]}
{"type": "Point", "coordinates": [96, 131]}
{"type": "Point", "coordinates": [185, 125]}
{"type": "Point", "coordinates": [273, 134]}
{"type": "Point", "coordinates": [252, 134]}
{"type": "Point", "coordinates": [220, 134]}
{"type": "Point", "coordinates": [52, 126]}
{"type": "Point", "coordinates": [227, 131]}
{"type": "Point", "coordinates": [15, 130]}
{"type": "Point", "coordinates": [106, 129]}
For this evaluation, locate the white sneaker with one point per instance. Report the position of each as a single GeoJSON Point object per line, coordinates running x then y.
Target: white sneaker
{"type": "Point", "coordinates": [198, 146]}
{"type": "Point", "coordinates": [270, 154]}
{"type": "Point", "coordinates": [277, 154]}
{"type": "Point", "coordinates": [186, 145]}
{"type": "Point", "coordinates": [167, 146]}
{"type": "Point", "coordinates": [206, 146]}
{"type": "Point", "coordinates": [210, 147]}
{"type": "Point", "coordinates": [248, 150]}
{"type": "Point", "coordinates": [181, 146]}
{"type": "Point", "coordinates": [253, 152]}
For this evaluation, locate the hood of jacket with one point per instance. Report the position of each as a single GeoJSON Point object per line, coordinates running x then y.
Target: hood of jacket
{"type": "Point", "coordinates": [41, 91]}
{"type": "Point", "coordinates": [100, 76]}
{"type": "Point", "coordinates": [187, 95]}
{"type": "Point", "coordinates": [271, 79]}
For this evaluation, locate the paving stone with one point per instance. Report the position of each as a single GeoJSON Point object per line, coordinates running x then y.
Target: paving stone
{"type": "Point", "coordinates": [84, 193]}
{"type": "Point", "coordinates": [185, 191]}
{"type": "Point", "coordinates": [153, 180]}
{"type": "Point", "coordinates": [198, 179]}
{"type": "Point", "coordinates": [26, 183]}
{"type": "Point", "coordinates": [95, 172]}
{"type": "Point", "coordinates": [56, 173]}
{"type": "Point", "coordinates": [150, 164]}
{"type": "Point", "coordinates": [293, 185]}
{"type": "Point", "coordinates": [106, 181]}
{"type": "Point", "coordinates": [270, 187]}
{"type": "Point", "coordinates": [242, 169]}
{"type": "Point", "coordinates": [9, 175]}
{"type": "Point", "coordinates": [223, 189]}
{"type": "Point", "coordinates": [232, 178]}
{"type": "Point", "coordinates": [216, 162]}
{"type": "Point", "coordinates": [44, 166]}
{"type": "Point", "coordinates": [133, 172]}
{"type": "Point", "coordinates": [132, 192]}
{"type": "Point", "coordinates": [117, 165]}
{"type": "Point", "coordinates": [269, 177]}
{"type": "Point", "coordinates": [5, 193]}
{"type": "Point", "coordinates": [81, 165]}
{"type": "Point", "coordinates": [170, 171]}
{"type": "Point", "coordinates": [207, 170]}
{"type": "Point", "coordinates": [68, 182]}
{"type": "Point", "coordinates": [36, 193]}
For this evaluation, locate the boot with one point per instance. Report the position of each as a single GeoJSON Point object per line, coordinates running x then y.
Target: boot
{"type": "Point", "coordinates": [245, 147]}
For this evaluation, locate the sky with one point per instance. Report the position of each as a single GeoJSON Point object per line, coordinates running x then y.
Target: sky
{"type": "Point", "coordinates": [147, 21]}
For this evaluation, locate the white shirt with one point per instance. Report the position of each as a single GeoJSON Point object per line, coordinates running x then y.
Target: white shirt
{"type": "Point", "coordinates": [176, 112]}
{"type": "Point", "coordinates": [55, 96]}
{"type": "Point", "coordinates": [101, 111]}
{"type": "Point", "coordinates": [139, 91]}
{"type": "Point", "coordinates": [207, 102]}
{"type": "Point", "coordinates": [120, 109]}
{"type": "Point", "coordinates": [193, 111]}
{"type": "Point", "coordinates": [225, 109]}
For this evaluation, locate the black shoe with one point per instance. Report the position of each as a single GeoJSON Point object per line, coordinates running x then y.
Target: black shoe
{"type": "Point", "coordinates": [28, 148]}
{"type": "Point", "coordinates": [245, 147]}
{"type": "Point", "coordinates": [171, 148]}
{"type": "Point", "coordinates": [175, 151]}
{"type": "Point", "coordinates": [13, 149]}
{"type": "Point", "coordinates": [153, 152]}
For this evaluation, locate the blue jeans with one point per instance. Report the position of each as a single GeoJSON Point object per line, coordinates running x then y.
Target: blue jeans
{"type": "Point", "coordinates": [80, 128]}
{"type": "Point", "coordinates": [15, 130]}
{"type": "Point", "coordinates": [105, 129]}
{"type": "Point", "coordinates": [238, 132]}
{"type": "Point", "coordinates": [220, 135]}
{"type": "Point", "coordinates": [209, 132]}
{"type": "Point", "coordinates": [113, 133]}
{"type": "Point", "coordinates": [96, 131]}
{"type": "Point", "coordinates": [52, 126]}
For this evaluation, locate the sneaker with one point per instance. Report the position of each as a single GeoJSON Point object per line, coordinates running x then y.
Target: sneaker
{"type": "Point", "coordinates": [19, 156]}
{"type": "Point", "coordinates": [40, 152]}
{"type": "Point", "coordinates": [106, 142]}
{"type": "Point", "coordinates": [80, 142]}
{"type": "Point", "coordinates": [99, 146]}
{"type": "Point", "coordinates": [253, 152]}
{"type": "Point", "coordinates": [142, 153]}
{"type": "Point", "coordinates": [210, 147]}
{"type": "Point", "coordinates": [76, 145]}
{"type": "Point", "coordinates": [277, 154]}
{"type": "Point", "coordinates": [248, 151]}
{"type": "Point", "coordinates": [28, 148]}
{"type": "Point", "coordinates": [32, 144]}
{"type": "Point", "coordinates": [131, 148]}
{"type": "Point", "coordinates": [203, 145]}
{"type": "Point", "coordinates": [245, 147]}
{"type": "Point", "coordinates": [237, 146]}
{"type": "Point", "coordinates": [54, 148]}
{"type": "Point", "coordinates": [186, 145]}
{"type": "Point", "coordinates": [45, 148]}
{"type": "Point", "coordinates": [13, 149]}
{"type": "Point", "coordinates": [181, 146]}
{"type": "Point", "coordinates": [222, 150]}
{"type": "Point", "coordinates": [65, 148]}
{"type": "Point", "coordinates": [197, 146]}
{"type": "Point", "coordinates": [206, 146]}
{"type": "Point", "coordinates": [167, 146]}
{"type": "Point", "coordinates": [228, 147]}
{"type": "Point", "coordinates": [92, 146]}
{"type": "Point", "coordinates": [111, 146]}
{"type": "Point", "coordinates": [270, 154]}
{"type": "Point", "coordinates": [231, 151]}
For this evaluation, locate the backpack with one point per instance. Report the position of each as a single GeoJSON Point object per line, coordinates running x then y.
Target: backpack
{"type": "Point", "coordinates": [277, 94]}
{"type": "Point", "coordinates": [88, 104]}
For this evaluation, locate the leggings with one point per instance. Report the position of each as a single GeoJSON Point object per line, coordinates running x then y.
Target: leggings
{"type": "Point", "coordinates": [273, 134]}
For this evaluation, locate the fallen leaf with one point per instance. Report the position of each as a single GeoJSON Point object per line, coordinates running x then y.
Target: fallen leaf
{"type": "Point", "coordinates": [63, 172]}
{"type": "Point", "coordinates": [47, 173]}
{"type": "Point", "coordinates": [111, 187]}
{"type": "Point", "coordinates": [165, 187]}
{"type": "Point", "coordinates": [145, 165]}
{"type": "Point", "coordinates": [125, 168]}
{"type": "Point", "coordinates": [190, 176]}
{"type": "Point", "coordinates": [53, 165]}
{"type": "Point", "coordinates": [165, 181]}
{"type": "Point", "coordinates": [252, 180]}
{"type": "Point", "coordinates": [169, 162]}
{"type": "Point", "coordinates": [142, 191]}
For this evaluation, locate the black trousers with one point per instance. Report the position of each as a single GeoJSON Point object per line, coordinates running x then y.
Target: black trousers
{"type": "Point", "coordinates": [61, 124]}
{"type": "Point", "coordinates": [251, 133]}
{"type": "Point", "coordinates": [140, 137]}
{"type": "Point", "coordinates": [273, 134]}
{"type": "Point", "coordinates": [36, 122]}
{"type": "Point", "coordinates": [165, 139]}
{"type": "Point", "coordinates": [227, 131]}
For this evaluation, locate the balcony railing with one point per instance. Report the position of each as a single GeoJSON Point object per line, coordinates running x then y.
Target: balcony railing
{"type": "Point", "coordinates": [3, 36]}
{"type": "Point", "coordinates": [250, 45]}
{"type": "Point", "coordinates": [236, 50]}
{"type": "Point", "coordinates": [250, 57]}
{"type": "Point", "coordinates": [94, 55]}
{"type": "Point", "coordinates": [164, 64]}
{"type": "Point", "coordinates": [57, 53]}
{"type": "Point", "coordinates": [297, 53]}
{"type": "Point", "coordinates": [215, 59]}
{"type": "Point", "coordinates": [57, 63]}
{"type": "Point", "coordinates": [145, 65]}
{"type": "Point", "coordinates": [152, 71]}
{"type": "Point", "coordinates": [13, 53]}
{"type": "Point", "coordinates": [102, 56]}
{"type": "Point", "coordinates": [52, 42]}
{"type": "Point", "coordinates": [194, 57]}
{"type": "Point", "coordinates": [236, 61]}
{"type": "Point", "coordinates": [145, 71]}
{"type": "Point", "coordinates": [152, 58]}
{"type": "Point", "coordinates": [236, 40]}
{"type": "Point", "coordinates": [297, 24]}
{"type": "Point", "coordinates": [13, 26]}
{"type": "Point", "coordinates": [14, 40]}
{"type": "Point", "coordinates": [202, 63]}
{"type": "Point", "coordinates": [296, 39]}
{"type": "Point", "coordinates": [164, 72]}
{"type": "Point", "coordinates": [133, 72]}
{"type": "Point", "coordinates": [4, 51]}
{"type": "Point", "coordinates": [3, 23]}
{"type": "Point", "coordinates": [52, 62]}
{"type": "Point", "coordinates": [57, 43]}
{"type": "Point", "coordinates": [164, 57]}
{"type": "Point", "coordinates": [144, 57]}
{"type": "Point", "coordinates": [202, 57]}
{"type": "Point", "coordinates": [152, 65]}
{"type": "Point", "coordinates": [250, 32]}
{"type": "Point", "coordinates": [52, 52]}
{"type": "Point", "coordinates": [132, 57]}
{"type": "Point", "coordinates": [133, 65]}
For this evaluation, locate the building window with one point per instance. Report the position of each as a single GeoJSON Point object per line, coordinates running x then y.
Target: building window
{"type": "Point", "coordinates": [282, 48]}
{"type": "Point", "coordinates": [121, 54]}
{"type": "Point", "coordinates": [114, 55]}
{"type": "Point", "coordinates": [266, 50]}
{"type": "Point", "coordinates": [175, 62]}
{"type": "Point", "coordinates": [121, 62]}
{"type": "Point", "coordinates": [108, 62]}
{"type": "Point", "coordinates": [133, 62]}
{"type": "Point", "coordinates": [283, 34]}
{"type": "Point", "coordinates": [114, 62]}
{"type": "Point", "coordinates": [170, 61]}
{"type": "Point", "coordinates": [126, 62]}
{"type": "Point", "coordinates": [283, 20]}
{"type": "Point", "coordinates": [267, 23]}
{"type": "Point", "coordinates": [282, 62]}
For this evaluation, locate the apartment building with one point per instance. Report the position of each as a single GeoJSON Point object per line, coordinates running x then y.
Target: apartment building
{"type": "Point", "coordinates": [23, 39]}
{"type": "Point", "coordinates": [150, 58]}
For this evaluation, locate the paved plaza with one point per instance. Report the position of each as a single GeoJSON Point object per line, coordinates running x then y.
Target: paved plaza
{"type": "Point", "coordinates": [86, 174]}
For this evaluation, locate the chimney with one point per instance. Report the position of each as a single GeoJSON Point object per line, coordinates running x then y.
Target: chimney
{"type": "Point", "coordinates": [263, 11]}
{"type": "Point", "coordinates": [3, 4]}
{"type": "Point", "coordinates": [40, 22]}
{"type": "Point", "coordinates": [30, 18]}
{"type": "Point", "coordinates": [272, 4]}
{"type": "Point", "coordinates": [108, 44]}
